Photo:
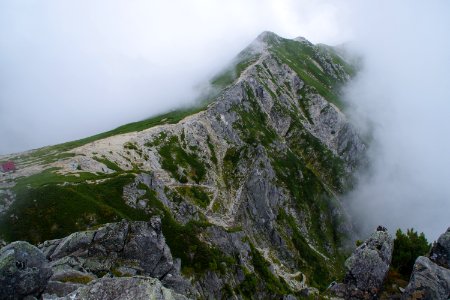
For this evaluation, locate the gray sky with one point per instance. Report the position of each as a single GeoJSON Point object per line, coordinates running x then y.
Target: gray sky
{"type": "Point", "coordinates": [70, 69]}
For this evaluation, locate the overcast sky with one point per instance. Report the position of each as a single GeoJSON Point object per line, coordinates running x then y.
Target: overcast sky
{"type": "Point", "coordinates": [70, 69]}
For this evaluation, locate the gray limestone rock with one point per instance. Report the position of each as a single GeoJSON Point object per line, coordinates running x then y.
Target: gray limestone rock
{"type": "Point", "coordinates": [123, 249]}
{"type": "Point", "coordinates": [59, 289]}
{"type": "Point", "coordinates": [440, 252]}
{"type": "Point", "coordinates": [24, 271]}
{"type": "Point", "coordinates": [367, 267]}
{"type": "Point", "coordinates": [124, 288]}
{"type": "Point", "coordinates": [428, 281]}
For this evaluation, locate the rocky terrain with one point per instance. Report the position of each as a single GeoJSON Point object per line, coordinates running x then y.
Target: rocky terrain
{"type": "Point", "coordinates": [247, 186]}
{"type": "Point", "coordinates": [130, 260]}
{"type": "Point", "coordinates": [367, 268]}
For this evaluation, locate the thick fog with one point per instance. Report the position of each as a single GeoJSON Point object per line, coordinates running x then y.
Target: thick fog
{"type": "Point", "coordinates": [69, 69]}
{"type": "Point", "coordinates": [402, 97]}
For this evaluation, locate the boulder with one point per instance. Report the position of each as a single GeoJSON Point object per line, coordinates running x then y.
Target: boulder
{"type": "Point", "coordinates": [440, 252]}
{"type": "Point", "coordinates": [24, 271]}
{"type": "Point", "coordinates": [118, 249]}
{"type": "Point", "coordinates": [428, 281]}
{"type": "Point", "coordinates": [367, 267]}
{"type": "Point", "coordinates": [124, 288]}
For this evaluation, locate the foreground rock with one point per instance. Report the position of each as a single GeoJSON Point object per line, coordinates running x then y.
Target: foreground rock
{"type": "Point", "coordinates": [428, 281]}
{"type": "Point", "coordinates": [24, 271]}
{"type": "Point", "coordinates": [116, 249]}
{"type": "Point", "coordinates": [440, 253]}
{"type": "Point", "coordinates": [367, 267]}
{"type": "Point", "coordinates": [125, 260]}
{"type": "Point", "coordinates": [430, 278]}
{"type": "Point", "coordinates": [126, 288]}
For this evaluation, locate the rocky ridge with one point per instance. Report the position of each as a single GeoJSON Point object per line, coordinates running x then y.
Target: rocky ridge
{"type": "Point", "coordinates": [247, 186]}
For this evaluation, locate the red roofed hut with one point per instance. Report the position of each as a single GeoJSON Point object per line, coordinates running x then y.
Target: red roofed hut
{"type": "Point", "coordinates": [8, 166]}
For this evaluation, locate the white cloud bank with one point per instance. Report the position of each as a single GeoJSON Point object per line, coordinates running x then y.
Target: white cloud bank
{"type": "Point", "coordinates": [69, 69]}
{"type": "Point", "coordinates": [404, 94]}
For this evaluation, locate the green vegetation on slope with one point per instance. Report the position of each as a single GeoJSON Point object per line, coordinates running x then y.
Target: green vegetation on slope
{"type": "Point", "coordinates": [274, 284]}
{"type": "Point", "coordinates": [195, 194]}
{"type": "Point", "coordinates": [53, 153]}
{"type": "Point", "coordinates": [174, 158]}
{"type": "Point", "coordinates": [301, 58]}
{"type": "Point", "coordinates": [47, 211]}
{"type": "Point", "coordinates": [244, 59]}
{"type": "Point", "coordinates": [196, 256]}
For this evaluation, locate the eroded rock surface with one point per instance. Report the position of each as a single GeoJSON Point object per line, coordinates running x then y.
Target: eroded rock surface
{"type": "Point", "coordinates": [24, 271]}
{"type": "Point", "coordinates": [430, 278]}
{"type": "Point", "coordinates": [127, 288]}
{"type": "Point", "coordinates": [118, 249]}
{"type": "Point", "coordinates": [367, 267]}
{"type": "Point", "coordinates": [440, 253]}
{"type": "Point", "coordinates": [428, 281]}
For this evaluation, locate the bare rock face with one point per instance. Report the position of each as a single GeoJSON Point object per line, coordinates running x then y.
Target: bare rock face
{"type": "Point", "coordinates": [440, 253]}
{"type": "Point", "coordinates": [367, 267]}
{"type": "Point", "coordinates": [127, 288]}
{"type": "Point", "coordinates": [428, 281]}
{"type": "Point", "coordinates": [24, 271]}
{"type": "Point", "coordinates": [430, 278]}
{"type": "Point", "coordinates": [118, 249]}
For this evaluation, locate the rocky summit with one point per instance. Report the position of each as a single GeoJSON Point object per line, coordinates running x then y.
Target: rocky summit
{"type": "Point", "coordinates": [239, 196]}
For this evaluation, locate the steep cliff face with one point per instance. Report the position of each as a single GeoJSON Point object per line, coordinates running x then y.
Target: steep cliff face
{"type": "Point", "coordinates": [247, 184]}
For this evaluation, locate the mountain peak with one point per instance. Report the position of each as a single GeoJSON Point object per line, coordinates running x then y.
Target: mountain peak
{"type": "Point", "coordinates": [248, 180]}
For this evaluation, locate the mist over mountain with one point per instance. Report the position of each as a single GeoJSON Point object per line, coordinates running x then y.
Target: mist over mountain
{"type": "Point", "coordinates": [401, 99]}
{"type": "Point", "coordinates": [265, 165]}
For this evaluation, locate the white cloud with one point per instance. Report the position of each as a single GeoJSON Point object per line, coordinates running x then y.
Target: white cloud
{"type": "Point", "coordinates": [403, 93]}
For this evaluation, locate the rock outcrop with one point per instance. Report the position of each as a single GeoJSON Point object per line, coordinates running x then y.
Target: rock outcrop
{"type": "Point", "coordinates": [440, 252]}
{"type": "Point", "coordinates": [367, 267]}
{"type": "Point", "coordinates": [124, 260]}
{"type": "Point", "coordinates": [24, 271]}
{"type": "Point", "coordinates": [430, 278]}
{"type": "Point", "coordinates": [127, 288]}
{"type": "Point", "coordinates": [428, 281]}
{"type": "Point", "coordinates": [118, 249]}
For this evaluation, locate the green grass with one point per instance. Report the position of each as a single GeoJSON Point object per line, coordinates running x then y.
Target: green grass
{"type": "Point", "coordinates": [319, 271]}
{"type": "Point", "coordinates": [174, 158]}
{"type": "Point", "coordinates": [109, 164]}
{"type": "Point", "coordinates": [195, 194]}
{"type": "Point", "coordinates": [196, 256]}
{"type": "Point", "coordinates": [230, 164]}
{"type": "Point", "coordinates": [253, 125]}
{"type": "Point", "coordinates": [211, 150]}
{"type": "Point", "coordinates": [49, 176]}
{"type": "Point", "coordinates": [81, 279]}
{"type": "Point", "coordinates": [244, 59]}
{"type": "Point", "coordinates": [49, 211]}
{"type": "Point", "coordinates": [52, 153]}
{"type": "Point", "coordinates": [300, 57]}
